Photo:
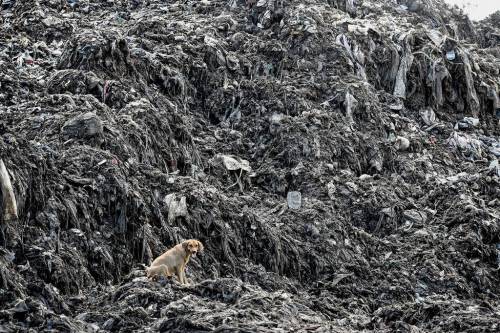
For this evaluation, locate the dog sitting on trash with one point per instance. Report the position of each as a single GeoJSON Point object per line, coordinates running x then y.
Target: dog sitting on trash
{"type": "Point", "coordinates": [174, 261]}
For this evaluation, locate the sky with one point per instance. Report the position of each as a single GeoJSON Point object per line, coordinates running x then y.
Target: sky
{"type": "Point", "coordinates": [477, 9]}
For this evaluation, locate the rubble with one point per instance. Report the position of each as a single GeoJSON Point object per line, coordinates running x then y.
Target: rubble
{"type": "Point", "coordinates": [338, 159]}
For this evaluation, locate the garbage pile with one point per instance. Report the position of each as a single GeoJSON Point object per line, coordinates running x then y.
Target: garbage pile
{"type": "Point", "coordinates": [338, 159]}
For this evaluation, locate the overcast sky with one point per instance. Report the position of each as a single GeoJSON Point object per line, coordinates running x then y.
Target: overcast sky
{"type": "Point", "coordinates": [477, 9]}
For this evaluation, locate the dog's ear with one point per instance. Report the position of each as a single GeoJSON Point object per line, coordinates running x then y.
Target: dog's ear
{"type": "Point", "coordinates": [200, 246]}
{"type": "Point", "coordinates": [185, 245]}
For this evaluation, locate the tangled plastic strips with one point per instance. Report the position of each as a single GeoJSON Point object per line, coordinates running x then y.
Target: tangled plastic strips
{"type": "Point", "coordinates": [337, 159]}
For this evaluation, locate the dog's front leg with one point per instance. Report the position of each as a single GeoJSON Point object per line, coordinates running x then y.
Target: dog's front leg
{"type": "Point", "coordinates": [178, 272]}
{"type": "Point", "coordinates": [183, 272]}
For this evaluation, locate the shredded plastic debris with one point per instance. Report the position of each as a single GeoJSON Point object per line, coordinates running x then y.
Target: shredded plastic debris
{"type": "Point", "coordinates": [338, 159]}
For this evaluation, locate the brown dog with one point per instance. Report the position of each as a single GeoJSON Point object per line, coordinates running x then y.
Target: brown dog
{"type": "Point", "coordinates": [175, 260]}
{"type": "Point", "coordinates": [154, 272]}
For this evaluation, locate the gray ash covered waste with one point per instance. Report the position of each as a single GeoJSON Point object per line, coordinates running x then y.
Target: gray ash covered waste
{"type": "Point", "coordinates": [338, 159]}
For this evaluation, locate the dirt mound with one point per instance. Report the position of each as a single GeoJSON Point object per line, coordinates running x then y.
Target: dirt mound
{"type": "Point", "coordinates": [338, 159]}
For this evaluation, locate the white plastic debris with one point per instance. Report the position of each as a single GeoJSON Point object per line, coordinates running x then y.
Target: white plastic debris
{"type": "Point", "coordinates": [401, 77]}
{"type": "Point", "coordinates": [9, 204]}
{"type": "Point", "coordinates": [350, 105]}
{"type": "Point", "coordinates": [467, 122]}
{"type": "Point", "coordinates": [294, 200]}
{"type": "Point", "coordinates": [331, 190]}
{"type": "Point", "coordinates": [472, 121]}
{"type": "Point", "coordinates": [402, 143]}
{"type": "Point", "coordinates": [175, 208]}
{"type": "Point", "coordinates": [436, 37]}
{"type": "Point", "coordinates": [235, 163]}
{"type": "Point", "coordinates": [428, 116]}
{"type": "Point", "coordinates": [495, 149]}
{"type": "Point", "coordinates": [450, 55]}
{"type": "Point", "coordinates": [414, 216]}
{"type": "Point", "coordinates": [494, 167]}
{"type": "Point", "coordinates": [466, 144]}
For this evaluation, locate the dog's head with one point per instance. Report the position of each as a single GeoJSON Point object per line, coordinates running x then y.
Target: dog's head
{"type": "Point", "coordinates": [192, 246]}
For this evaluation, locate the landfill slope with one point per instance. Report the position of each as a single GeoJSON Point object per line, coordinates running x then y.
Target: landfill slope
{"type": "Point", "coordinates": [338, 159]}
